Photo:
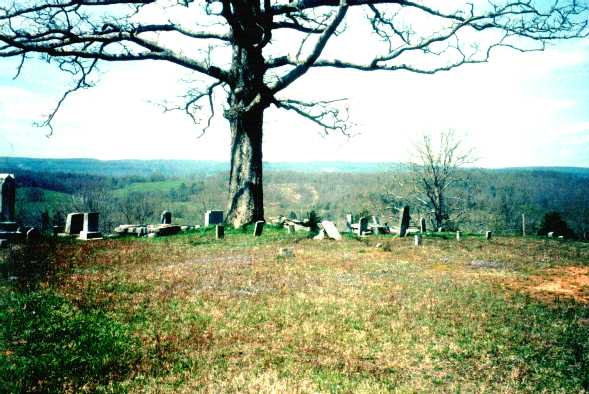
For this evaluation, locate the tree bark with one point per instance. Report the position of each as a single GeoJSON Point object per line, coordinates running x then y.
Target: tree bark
{"type": "Point", "coordinates": [247, 102]}
{"type": "Point", "coordinates": [246, 200]}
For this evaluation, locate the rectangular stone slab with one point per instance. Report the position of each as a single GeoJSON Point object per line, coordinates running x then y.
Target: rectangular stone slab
{"type": "Point", "coordinates": [74, 223]}
{"type": "Point", "coordinates": [213, 217]}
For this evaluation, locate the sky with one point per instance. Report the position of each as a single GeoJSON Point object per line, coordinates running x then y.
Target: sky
{"type": "Point", "coordinates": [528, 109]}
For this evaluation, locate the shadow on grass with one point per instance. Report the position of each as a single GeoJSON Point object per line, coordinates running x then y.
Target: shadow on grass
{"type": "Point", "coordinates": [46, 343]}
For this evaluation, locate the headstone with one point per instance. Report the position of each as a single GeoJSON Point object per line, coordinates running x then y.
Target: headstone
{"type": "Point", "coordinates": [90, 228]}
{"type": "Point", "coordinates": [8, 198]}
{"type": "Point", "coordinates": [422, 227]}
{"type": "Point", "coordinates": [404, 221]}
{"type": "Point", "coordinates": [440, 229]}
{"type": "Point", "coordinates": [258, 228]}
{"type": "Point", "coordinates": [220, 231]}
{"type": "Point", "coordinates": [349, 221]}
{"type": "Point", "coordinates": [331, 230]}
{"type": "Point", "coordinates": [362, 226]}
{"type": "Point", "coordinates": [561, 237]}
{"type": "Point", "coordinates": [417, 240]}
{"type": "Point", "coordinates": [458, 235]}
{"type": "Point", "coordinates": [320, 236]}
{"type": "Point", "coordinates": [213, 217]}
{"type": "Point", "coordinates": [488, 235]}
{"type": "Point", "coordinates": [550, 234]}
{"type": "Point", "coordinates": [33, 234]}
{"type": "Point", "coordinates": [523, 224]}
{"type": "Point", "coordinates": [74, 223]}
{"type": "Point", "coordinates": [166, 217]}
{"type": "Point", "coordinates": [44, 222]}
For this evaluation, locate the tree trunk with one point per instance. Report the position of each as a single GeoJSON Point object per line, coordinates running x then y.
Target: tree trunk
{"type": "Point", "coordinates": [247, 103]}
{"type": "Point", "coordinates": [246, 198]}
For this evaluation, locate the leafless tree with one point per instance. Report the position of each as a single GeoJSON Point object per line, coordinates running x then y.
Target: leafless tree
{"type": "Point", "coordinates": [251, 51]}
{"type": "Point", "coordinates": [436, 177]}
{"type": "Point", "coordinates": [137, 207]}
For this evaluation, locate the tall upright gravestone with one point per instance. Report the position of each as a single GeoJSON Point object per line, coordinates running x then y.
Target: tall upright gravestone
{"type": "Point", "coordinates": [404, 219]}
{"type": "Point", "coordinates": [90, 226]}
{"type": "Point", "coordinates": [74, 223]}
{"type": "Point", "coordinates": [7, 203]}
{"type": "Point", "coordinates": [213, 217]}
{"type": "Point", "coordinates": [166, 217]}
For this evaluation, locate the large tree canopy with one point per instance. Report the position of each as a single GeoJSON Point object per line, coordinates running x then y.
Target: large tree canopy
{"type": "Point", "coordinates": [252, 50]}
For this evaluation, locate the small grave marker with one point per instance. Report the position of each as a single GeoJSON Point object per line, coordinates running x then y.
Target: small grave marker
{"type": "Point", "coordinates": [258, 228]}
{"type": "Point", "coordinates": [166, 217]}
{"type": "Point", "coordinates": [220, 231]}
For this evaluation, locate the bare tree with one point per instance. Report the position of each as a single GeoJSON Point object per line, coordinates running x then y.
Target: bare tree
{"type": "Point", "coordinates": [437, 179]}
{"type": "Point", "coordinates": [250, 51]}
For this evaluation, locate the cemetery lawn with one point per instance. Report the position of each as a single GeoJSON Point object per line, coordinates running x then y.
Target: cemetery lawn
{"type": "Point", "coordinates": [189, 313]}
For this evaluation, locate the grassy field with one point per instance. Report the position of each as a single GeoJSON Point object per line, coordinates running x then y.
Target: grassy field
{"type": "Point", "coordinates": [190, 313]}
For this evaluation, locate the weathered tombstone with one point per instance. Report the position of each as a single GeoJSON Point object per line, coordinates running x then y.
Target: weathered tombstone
{"type": "Point", "coordinates": [440, 229]}
{"type": "Point", "coordinates": [422, 226]}
{"type": "Point", "coordinates": [362, 226]}
{"type": "Point", "coordinates": [166, 217]}
{"type": "Point", "coordinates": [220, 231]}
{"type": "Point", "coordinates": [417, 240]}
{"type": "Point", "coordinates": [74, 223]}
{"type": "Point", "coordinates": [258, 228]}
{"type": "Point", "coordinates": [404, 221]}
{"type": "Point", "coordinates": [488, 235]}
{"type": "Point", "coordinates": [331, 230]}
{"type": "Point", "coordinates": [90, 229]}
{"type": "Point", "coordinates": [213, 217]}
{"type": "Point", "coordinates": [523, 224]}
{"type": "Point", "coordinates": [8, 200]}
{"type": "Point", "coordinates": [320, 236]}
{"type": "Point", "coordinates": [550, 234]}
{"type": "Point", "coordinates": [44, 222]}
{"type": "Point", "coordinates": [458, 235]}
{"type": "Point", "coordinates": [33, 234]}
{"type": "Point", "coordinates": [349, 221]}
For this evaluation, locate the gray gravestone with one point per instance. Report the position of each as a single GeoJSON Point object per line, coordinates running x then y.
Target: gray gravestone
{"type": "Point", "coordinates": [458, 235]}
{"type": "Point", "coordinates": [220, 231]}
{"type": "Point", "coordinates": [8, 200]}
{"type": "Point", "coordinates": [349, 221]}
{"type": "Point", "coordinates": [422, 226]}
{"type": "Point", "coordinates": [362, 226]}
{"type": "Point", "coordinates": [258, 228]}
{"type": "Point", "coordinates": [45, 222]}
{"type": "Point", "coordinates": [488, 235]}
{"type": "Point", "coordinates": [33, 234]}
{"type": "Point", "coordinates": [331, 230]}
{"type": "Point", "coordinates": [213, 217]}
{"type": "Point", "coordinates": [404, 221]}
{"type": "Point", "coordinates": [74, 223]}
{"type": "Point", "coordinates": [550, 234]}
{"type": "Point", "coordinates": [166, 217]}
{"type": "Point", "coordinates": [90, 228]}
